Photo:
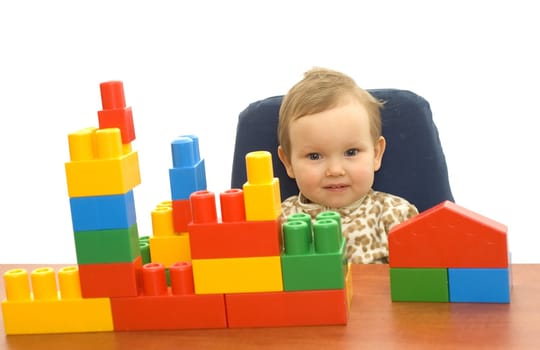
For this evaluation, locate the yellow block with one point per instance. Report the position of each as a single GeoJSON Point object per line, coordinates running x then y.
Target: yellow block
{"type": "Point", "coordinates": [237, 275]}
{"type": "Point", "coordinates": [259, 167]}
{"type": "Point", "coordinates": [103, 176]}
{"type": "Point", "coordinates": [168, 250]}
{"type": "Point", "coordinates": [262, 201]}
{"type": "Point", "coordinates": [48, 310]}
{"type": "Point", "coordinates": [162, 219]}
{"type": "Point", "coordinates": [57, 316]}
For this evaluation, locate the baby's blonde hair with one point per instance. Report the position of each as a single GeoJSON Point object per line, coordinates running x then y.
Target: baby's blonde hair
{"type": "Point", "coordinates": [322, 89]}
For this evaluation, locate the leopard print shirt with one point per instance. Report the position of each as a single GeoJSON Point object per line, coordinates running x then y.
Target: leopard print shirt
{"type": "Point", "coordinates": [365, 223]}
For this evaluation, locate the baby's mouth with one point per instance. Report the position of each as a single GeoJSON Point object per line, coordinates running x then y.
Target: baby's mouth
{"type": "Point", "coordinates": [335, 187]}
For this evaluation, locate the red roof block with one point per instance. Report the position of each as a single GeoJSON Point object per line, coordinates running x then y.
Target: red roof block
{"type": "Point", "coordinates": [448, 235]}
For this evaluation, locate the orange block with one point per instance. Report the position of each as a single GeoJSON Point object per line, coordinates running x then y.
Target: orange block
{"type": "Point", "coordinates": [283, 309]}
{"type": "Point", "coordinates": [165, 312]}
{"type": "Point", "coordinates": [115, 114]}
{"type": "Point", "coordinates": [110, 280]}
{"type": "Point", "coordinates": [181, 214]}
{"type": "Point", "coordinates": [235, 239]}
{"type": "Point", "coordinates": [160, 307]}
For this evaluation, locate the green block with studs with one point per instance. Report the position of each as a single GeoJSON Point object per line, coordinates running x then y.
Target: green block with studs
{"type": "Point", "coordinates": [314, 257]}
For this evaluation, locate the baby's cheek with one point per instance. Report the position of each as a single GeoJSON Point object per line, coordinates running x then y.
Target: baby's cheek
{"type": "Point", "coordinates": [363, 177]}
{"type": "Point", "coordinates": [307, 181]}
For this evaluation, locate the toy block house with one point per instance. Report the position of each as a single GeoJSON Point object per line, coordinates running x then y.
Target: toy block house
{"type": "Point", "coordinates": [198, 269]}
{"type": "Point", "coordinates": [449, 254]}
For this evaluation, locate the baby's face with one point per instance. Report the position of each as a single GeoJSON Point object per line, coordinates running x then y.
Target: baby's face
{"type": "Point", "coordinates": [333, 155]}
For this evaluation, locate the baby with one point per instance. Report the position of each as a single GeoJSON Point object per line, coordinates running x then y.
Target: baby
{"type": "Point", "coordinates": [329, 132]}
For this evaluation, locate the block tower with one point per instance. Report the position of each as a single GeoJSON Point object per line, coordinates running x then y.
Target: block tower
{"type": "Point", "coordinates": [170, 239]}
{"type": "Point", "coordinates": [450, 254]}
{"type": "Point", "coordinates": [101, 175]}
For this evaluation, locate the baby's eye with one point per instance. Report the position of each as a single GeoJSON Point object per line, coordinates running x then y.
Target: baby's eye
{"type": "Point", "coordinates": [351, 152]}
{"type": "Point", "coordinates": [314, 156]}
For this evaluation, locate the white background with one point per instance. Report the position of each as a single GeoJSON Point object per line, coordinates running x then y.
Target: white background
{"type": "Point", "coordinates": [191, 67]}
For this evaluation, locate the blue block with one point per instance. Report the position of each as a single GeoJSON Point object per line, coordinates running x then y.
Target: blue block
{"type": "Point", "coordinates": [188, 173]}
{"type": "Point", "coordinates": [481, 285]}
{"type": "Point", "coordinates": [185, 181]}
{"type": "Point", "coordinates": [103, 212]}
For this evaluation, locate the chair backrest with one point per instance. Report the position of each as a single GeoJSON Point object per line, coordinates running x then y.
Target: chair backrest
{"type": "Point", "coordinates": [413, 167]}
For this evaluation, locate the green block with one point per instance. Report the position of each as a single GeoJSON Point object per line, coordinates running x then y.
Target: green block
{"type": "Point", "coordinates": [314, 271]}
{"type": "Point", "coordinates": [314, 253]}
{"type": "Point", "coordinates": [422, 284]}
{"type": "Point", "coordinates": [144, 246]}
{"type": "Point", "coordinates": [168, 276]}
{"type": "Point", "coordinates": [107, 246]}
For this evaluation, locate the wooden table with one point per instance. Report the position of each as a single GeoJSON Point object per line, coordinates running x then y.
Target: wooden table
{"type": "Point", "coordinates": [375, 323]}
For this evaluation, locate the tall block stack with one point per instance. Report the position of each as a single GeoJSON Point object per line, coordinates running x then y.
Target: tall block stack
{"type": "Point", "coordinates": [101, 175]}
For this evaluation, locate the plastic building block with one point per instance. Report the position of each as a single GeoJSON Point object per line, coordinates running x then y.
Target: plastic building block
{"type": "Point", "coordinates": [167, 246]}
{"type": "Point", "coordinates": [262, 194]}
{"type": "Point", "coordinates": [446, 236]}
{"type": "Point", "coordinates": [313, 261]}
{"type": "Point", "coordinates": [170, 249]}
{"type": "Point", "coordinates": [188, 172]}
{"type": "Point", "coordinates": [479, 285]}
{"type": "Point", "coordinates": [235, 239]}
{"type": "Point", "coordinates": [110, 280]}
{"type": "Point", "coordinates": [276, 309]}
{"type": "Point", "coordinates": [103, 212]}
{"type": "Point", "coordinates": [282, 309]}
{"type": "Point", "coordinates": [162, 220]}
{"type": "Point", "coordinates": [161, 308]}
{"type": "Point", "coordinates": [181, 214]}
{"type": "Point", "coordinates": [98, 165]}
{"type": "Point", "coordinates": [233, 207]}
{"type": "Point", "coordinates": [419, 284]}
{"type": "Point", "coordinates": [115, 114]}
{"type": "Point", "coordinates": [233, 236]}
{"type": "Point", "coordinates": [107, 246]}
{"type": "Point", "coordinates": [144, 245]}
{"type": "Point", "coordinates": [46, 309]}
{"type": "Point", "coordinates": [237, 275]}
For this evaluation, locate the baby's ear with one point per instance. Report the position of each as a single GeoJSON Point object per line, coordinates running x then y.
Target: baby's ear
{"type": "Point", "coordinates": [286, 162]}
{"type": "Point", "coordinates": [379, 148]}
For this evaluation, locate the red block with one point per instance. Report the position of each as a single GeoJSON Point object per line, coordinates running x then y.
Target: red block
{"type": "Point", "coordinates": [162, 308]}
{"type": "Point", "coordinates": [112, 94]}
{"type": "Point", "coordinates": [110, 280]}
{"type": "Point", "coordinates": [115, 114]}
{"type": "Point", "coordinates": [118, 118]}
{"type": "Point", "coordinates": [169, 312]}
{"type": "Point", "coordinates": [181, 215]}
{"type": "Point", "coordinates": [235, 239]}
{"type": "Point", "coordinates": [448, 235]}
{"type": "Point", "coordinates": [285, 309]}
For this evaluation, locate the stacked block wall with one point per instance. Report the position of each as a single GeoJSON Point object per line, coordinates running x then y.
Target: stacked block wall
{"type": "Point", "coordinates": [197, 269]}
{"type": "Point", "coordinates": [450, 254]}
